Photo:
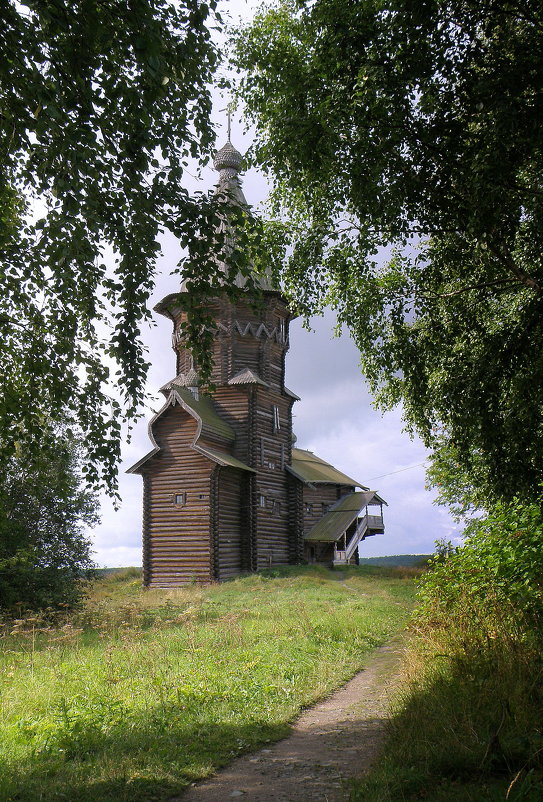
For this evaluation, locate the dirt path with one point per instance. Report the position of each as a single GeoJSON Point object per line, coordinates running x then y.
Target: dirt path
{"type": "Point", "coordinates": [330, 742]}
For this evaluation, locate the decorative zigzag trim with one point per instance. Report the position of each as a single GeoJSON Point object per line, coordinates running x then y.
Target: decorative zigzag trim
{"type": "Point", "coordinates": [256, 330]}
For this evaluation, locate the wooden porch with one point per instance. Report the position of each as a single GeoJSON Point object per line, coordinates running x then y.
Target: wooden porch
{"type": "Point", "coordinates": [346, 546]}
{"type": "Point", "coordinates": [335, 538]}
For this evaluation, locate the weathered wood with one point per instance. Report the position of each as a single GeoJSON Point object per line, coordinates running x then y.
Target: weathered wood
{"type": "Point", "coordinates": [229, 540]}
{"type": "Point", "coordinates": [232, 520]}
{"type": "Point", "coordinates": [317, 502]}
{"type": "Point", "coordinates": [177, 537]}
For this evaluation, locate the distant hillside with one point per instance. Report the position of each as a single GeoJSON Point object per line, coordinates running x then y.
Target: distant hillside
{"type": "Point", "coordinates": [396, 560]}
{"type": "Point", "coordinates": [103, 572]}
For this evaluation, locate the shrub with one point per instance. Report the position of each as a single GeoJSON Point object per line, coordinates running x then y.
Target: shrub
{"type": "Point", "coordinates": [494, 583]}
{"type": "Point", "coordinates": [44, 548]}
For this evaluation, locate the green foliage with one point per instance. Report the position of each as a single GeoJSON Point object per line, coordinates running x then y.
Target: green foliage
{"type": "Point", "coordinates": [102, 106]}
{"type": "Point", "coordinates": [408, 132]}
{"type": "Point", "coordinates": [44, 550]}
{"type": "Point", "coordinates": [143, 692]}
{"type": "Point", "coordinates": [468, 726]}
{"type": "Point", "coordinates": [495, 577]}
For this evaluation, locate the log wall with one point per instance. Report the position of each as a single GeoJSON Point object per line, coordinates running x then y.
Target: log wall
{"type": "Point", "coordinates": [296, 519]}
{"type": "Point", "coordinates": [245, 337]}
{"type": "Point", "coordinates": [271, 453]}
{"type": "Point", "coordinates": [230, 536]}
{"type": "Point", "coordinates": [177, 545]}
{"type": "Point", "coordinates": [232, 406]}
{"type": "Point", "coordinates": [316, 502]}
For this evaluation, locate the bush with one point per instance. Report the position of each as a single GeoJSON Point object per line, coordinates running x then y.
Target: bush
{"type": "Point", "coordinates": [44, 548]}
{"type": "Point", "coordinates": [494, 583]}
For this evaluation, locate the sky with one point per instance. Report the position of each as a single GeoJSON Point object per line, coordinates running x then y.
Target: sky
{"type": "Point", "coordinates": [334, 418]}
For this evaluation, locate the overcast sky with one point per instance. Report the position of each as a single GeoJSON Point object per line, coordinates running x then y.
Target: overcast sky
{"type": "Point", "coordinates": [334, 418]}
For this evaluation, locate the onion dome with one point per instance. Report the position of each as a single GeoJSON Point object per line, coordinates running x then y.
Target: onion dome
{"type": "Point", "coordinates": [228, 158]}
{"type": "Point", "coordinates": [192, 379]}
{"type": "Point", "coordinates": [228, 163]}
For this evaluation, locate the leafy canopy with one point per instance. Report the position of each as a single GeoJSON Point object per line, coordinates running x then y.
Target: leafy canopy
{"type": "Point", "coordinates": [408, 132]}
{"type": "Point", "coordinates": [101, 104]}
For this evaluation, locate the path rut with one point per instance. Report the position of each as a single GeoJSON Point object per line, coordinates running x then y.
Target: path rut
{"type": "Point", "coordinates": [330, 742]}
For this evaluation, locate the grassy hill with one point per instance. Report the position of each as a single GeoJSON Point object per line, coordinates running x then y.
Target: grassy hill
{"type": "Point", "coordinates": [398, 560]}
{"type": "Point", "coordinates": [142, 692]}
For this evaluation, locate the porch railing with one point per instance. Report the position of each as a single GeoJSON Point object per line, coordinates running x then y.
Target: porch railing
{"type": "Point", "coordinates": [366, 523]}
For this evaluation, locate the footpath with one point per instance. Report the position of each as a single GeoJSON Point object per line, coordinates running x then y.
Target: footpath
{"type": "Point", "coordinates": [329, 743]}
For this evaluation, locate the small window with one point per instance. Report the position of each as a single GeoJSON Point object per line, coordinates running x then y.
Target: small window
{"type": "Point", "coordinates": [308, 509]}
{"type": "Point", "coordinates": [262, 501]}
{"type": "Point", "coordinates": [202, 496]}
{"type": "Point", "coordinates": [180, 499]}
{"type": "Point", "coordinates": [276, 419]}
{"type": "Point", "coordinates": [273, 505]}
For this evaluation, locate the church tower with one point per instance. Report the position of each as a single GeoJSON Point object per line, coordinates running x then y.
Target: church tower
{"type": "Point", "coordinates": [217, 497]}
{"type": "Point", "coordinates": [224, 491]}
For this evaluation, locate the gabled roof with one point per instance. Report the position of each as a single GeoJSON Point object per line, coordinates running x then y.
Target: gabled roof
{"type": "Point", "coordinates": [202, 409]}
{"type": "Point", "coordinates": [313, 470]}
{"type": "Point", "coordinates": [332, 525]}
{"type": "Point", "coordinates": [247, 376]}
{"type": "Point", "coordinates": [209, 425]}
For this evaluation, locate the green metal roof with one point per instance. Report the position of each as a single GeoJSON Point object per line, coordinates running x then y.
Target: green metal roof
{"type": "Point", "coordinates": [311, 469]}
{"type": "Point", "coordinates": [209, 424]}
{"type": "Point", "coordinates": [332, 525]}
{"type": "Point", "coordinates": [223, 459]}
{"type": "Point", "coordinates": [203, 409]}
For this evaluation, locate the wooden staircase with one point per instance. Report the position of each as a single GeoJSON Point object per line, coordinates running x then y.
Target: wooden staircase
{"type": "Point", "coordinates": [368, 525]}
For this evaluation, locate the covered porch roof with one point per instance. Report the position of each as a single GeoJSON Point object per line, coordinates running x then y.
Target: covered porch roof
{"type": "Point", "coordinates": [334, 523]}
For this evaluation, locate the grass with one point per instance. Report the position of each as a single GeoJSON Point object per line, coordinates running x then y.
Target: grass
{"type": "Point", "coordinates": [140, 693]}
{"type": "Point", "coordinates": [463, 731]}
{"type": "Point", "coordinates": [467, 724]}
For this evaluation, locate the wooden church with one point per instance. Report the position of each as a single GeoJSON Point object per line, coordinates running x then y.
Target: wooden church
{"type": "Point", "coordinates": [224, 490]}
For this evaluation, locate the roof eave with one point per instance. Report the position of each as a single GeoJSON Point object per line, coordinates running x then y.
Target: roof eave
{"type": "Point", "coordinates": [135, 468]}
{"type": "Point", "coordinates": [291, 470]}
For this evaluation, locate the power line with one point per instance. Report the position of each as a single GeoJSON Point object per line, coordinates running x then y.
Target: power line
{"type": "Point", "coordinates": [382, 476]}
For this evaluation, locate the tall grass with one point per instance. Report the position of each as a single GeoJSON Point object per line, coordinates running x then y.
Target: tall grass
{"type": "Point", "coordinates": [469, 724]}
{"type": "Point", "coordinates": [141, 693]}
